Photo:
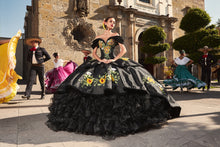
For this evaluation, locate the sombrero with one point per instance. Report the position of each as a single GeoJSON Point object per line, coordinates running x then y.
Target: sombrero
{"type": "Point", "coordinates": [86, 51]}
{"type": "Point", "coordinates": [28, 41]}
{"type": "Point", "coordinates": [205, 48]}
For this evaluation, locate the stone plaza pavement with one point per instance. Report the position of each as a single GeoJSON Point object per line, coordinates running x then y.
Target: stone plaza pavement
{"type": "Point", "coordinates": [22, 124]}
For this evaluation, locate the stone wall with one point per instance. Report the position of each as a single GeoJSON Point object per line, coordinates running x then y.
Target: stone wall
{"type": "Point", "coordinates": [54, 21]}
{"type": "Point", "coordinates": [54, 16]}
{"type": "Point", "coordinates": [179, 10]}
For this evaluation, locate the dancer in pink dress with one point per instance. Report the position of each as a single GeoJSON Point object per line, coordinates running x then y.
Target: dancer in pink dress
{"type": "Point", "coordinates": [57, 75]}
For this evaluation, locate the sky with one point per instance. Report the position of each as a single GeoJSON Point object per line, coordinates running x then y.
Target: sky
{"type": "Point", "coordinates": [13, 13]}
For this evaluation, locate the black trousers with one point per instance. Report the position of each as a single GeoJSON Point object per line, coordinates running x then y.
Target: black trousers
{"type": "Point", "coordinates": [35, 70]}
{"type": "Point", "coordinates": [206, 75]}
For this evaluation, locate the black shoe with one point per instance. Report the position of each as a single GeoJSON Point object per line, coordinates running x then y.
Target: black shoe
{"type": "Point", "coordinates": [203, 88]}
{"type": "Point", "coordinates": [25, 97]}
{"type": "Point", "coordinates": [42, 97]}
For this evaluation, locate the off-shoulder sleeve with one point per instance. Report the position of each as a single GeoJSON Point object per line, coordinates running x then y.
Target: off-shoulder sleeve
{"type": "Point", "coordinates": [95, 43]}
{"type": "Point", "coordinates": [119, 39]}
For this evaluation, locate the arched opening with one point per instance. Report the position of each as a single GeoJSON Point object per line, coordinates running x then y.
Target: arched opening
{"type": "Point", "coordinates": [142, 56]}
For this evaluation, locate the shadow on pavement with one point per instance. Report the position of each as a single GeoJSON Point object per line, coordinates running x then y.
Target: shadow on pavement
{"type": "Point", "coordinates": [31, 129]}
{"type": "Point", "coordinates": [195, 94]}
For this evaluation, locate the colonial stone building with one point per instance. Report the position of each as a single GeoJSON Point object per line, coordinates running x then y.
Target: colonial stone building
{"type": "Point", "coordinates": [68, 26]}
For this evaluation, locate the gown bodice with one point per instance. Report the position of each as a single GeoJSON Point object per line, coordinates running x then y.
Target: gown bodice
{"type": "Point", "coordinates": [107, 47]}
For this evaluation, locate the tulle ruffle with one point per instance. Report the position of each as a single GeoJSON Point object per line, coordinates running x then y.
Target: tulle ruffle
{"type": "Point", "coordinates": [109, 114]}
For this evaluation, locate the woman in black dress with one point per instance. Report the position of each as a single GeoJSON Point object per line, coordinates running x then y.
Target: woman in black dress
{"type": "Point", "coordinates": [110, 95]}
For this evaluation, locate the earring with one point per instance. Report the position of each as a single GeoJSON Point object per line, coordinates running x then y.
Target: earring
{"type": "Point", "coordinates": [103, 25]}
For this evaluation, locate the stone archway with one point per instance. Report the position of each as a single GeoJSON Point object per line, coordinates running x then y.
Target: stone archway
{"type": "Point", "coordinates": [140, 56]}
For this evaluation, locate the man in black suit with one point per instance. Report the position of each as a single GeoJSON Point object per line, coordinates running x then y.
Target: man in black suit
{"type": "Point", "coordinates": [206, 61]}
{"type": "Point", "coordinates": [36, 56]}
{"type": "Point", "coordinates": [86, 53]}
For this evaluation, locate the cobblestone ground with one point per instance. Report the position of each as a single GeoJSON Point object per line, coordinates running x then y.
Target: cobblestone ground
{"type": "Point", "coordinates": [22, 124]}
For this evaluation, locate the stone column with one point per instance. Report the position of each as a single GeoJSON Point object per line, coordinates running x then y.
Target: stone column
{"type": "Point", "coordinates": [133, 52]}
{"type": "Point", "coordinates": [170, 41]}
{"type": "Point", "coordinates": [119, 19]}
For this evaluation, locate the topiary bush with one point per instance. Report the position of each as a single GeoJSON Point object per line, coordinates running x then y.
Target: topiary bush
{"type": "Point", "coordinates": [194, 20]}
{"type": "Point", "coordinates": [152, 39]}
{"type": "Point", "coordinates": [153, 35]}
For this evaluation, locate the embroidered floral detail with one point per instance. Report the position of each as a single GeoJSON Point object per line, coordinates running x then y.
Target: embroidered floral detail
{"type": "Point", "coordinates": [150, 80]}
{"type": "Point", "coordinates": [125, 59]}
{"type": "Point", "coordinates": [87, 79]}
{"type": "Point", "coordinates": [115, 77]}
{"type": "Point", "coordinates": [110, 42]}
{"type": "Point", "coordinates": [101, 44]}
{"type": "Point", "coordinates": [102, 80]}
{"type": "Point", "coordinates": [107, 51]}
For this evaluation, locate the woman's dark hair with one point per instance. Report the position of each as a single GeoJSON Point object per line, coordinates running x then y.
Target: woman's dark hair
{"type": "Point", "coordinates": [55, 54]}
{"type": "Point", "coordinates": [182, 52]}
{"type": "Point", "coordinates": [106, 19]}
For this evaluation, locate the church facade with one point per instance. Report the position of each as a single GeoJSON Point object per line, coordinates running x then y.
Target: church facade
{"type": "Point", "coordinates": [68, 26]}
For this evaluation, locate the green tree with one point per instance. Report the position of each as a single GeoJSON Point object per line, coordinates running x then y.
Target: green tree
{"type": "Point", "coordinates": [218, 23]}
{"type": "Point", "coordinates": [152, 39]}
{"type": "Point", "coordinates": [197, 34]}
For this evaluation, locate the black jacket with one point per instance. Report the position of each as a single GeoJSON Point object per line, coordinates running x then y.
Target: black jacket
{"type": "Point", "coordinates": [40, 54]}
{"type": "Point", "coordinates": [210, 61]}
{"type": "Point", "coordinates": [88, 58]}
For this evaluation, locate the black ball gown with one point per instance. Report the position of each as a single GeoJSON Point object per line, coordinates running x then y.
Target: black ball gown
{"type": "Point", "coordinates": [114, 99]}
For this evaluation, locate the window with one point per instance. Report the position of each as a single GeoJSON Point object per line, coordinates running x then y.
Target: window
{"type": "Point", "coordinates": [145, 1]}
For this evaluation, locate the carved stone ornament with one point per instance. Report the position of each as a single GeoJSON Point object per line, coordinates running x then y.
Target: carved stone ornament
{"type": "Point", "coordinates": [79, 34]}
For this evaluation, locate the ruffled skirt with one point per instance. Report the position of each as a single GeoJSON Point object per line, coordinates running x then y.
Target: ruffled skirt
{"type": "Point", "coordinates": [56, 76]}
{"type": "Point", "coordinates": [183, 78]}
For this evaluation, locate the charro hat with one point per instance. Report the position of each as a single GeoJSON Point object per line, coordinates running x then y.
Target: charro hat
{"type": "Point", "coordinates": [29, 40]}
{"type": "Point", "coordinates": [205, 48]}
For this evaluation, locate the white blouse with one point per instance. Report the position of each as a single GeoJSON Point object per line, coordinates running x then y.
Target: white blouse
{"type": "Point", "coordinates": [58, 63]}
{"type": "Point", "coordinates": [183, 61]}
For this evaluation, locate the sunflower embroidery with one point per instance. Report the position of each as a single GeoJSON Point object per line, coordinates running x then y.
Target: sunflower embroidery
{"type": "Point", "coordinates": [115, 77]}
{"type": "Point", "coordinates": [110, 42]}
{"type": "Point", "coordinates": [102, 80]}
{"type": "Point", "coordinates": [107, 49]}
{"type": "Point", "coordinates": [112, 78]}
{"type": "Point", "coordinates": [100, 44]}
{"type": "Point", "coordinates": [87, 79]}
{"type": "Point", "coordinates": [149, 79]}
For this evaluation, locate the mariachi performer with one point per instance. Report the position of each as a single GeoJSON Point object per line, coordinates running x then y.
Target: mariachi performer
{"type": "Point", "coordinates": [206, 61]}
{"type": "Point", "coordinates": [37, 56]}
